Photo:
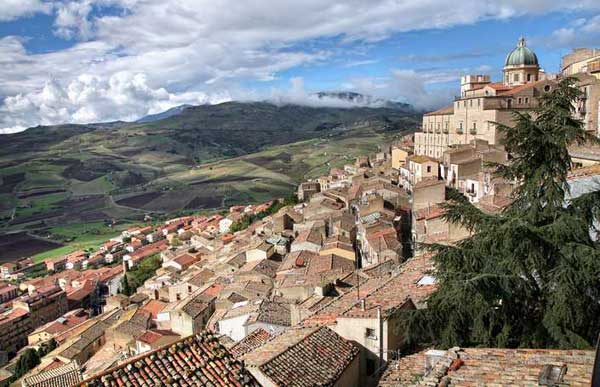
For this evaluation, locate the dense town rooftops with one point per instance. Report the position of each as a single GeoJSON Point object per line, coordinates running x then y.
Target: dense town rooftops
{"type": "Point", "coordinates": [303, 357]}
{"type": "Point", "coordinates": [327, 313]}
{"type": "Point", "coordinates": [492, 366]}
{"type": "Point", "coordinates": [411, 282]}
{"type": "Point", "coordinates": [196, 360]}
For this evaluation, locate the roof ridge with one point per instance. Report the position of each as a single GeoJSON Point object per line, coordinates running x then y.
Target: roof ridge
{"type": "Point", "coordinates": [204, 334]}
{"type": "Point", "coordinates": [295, 344]}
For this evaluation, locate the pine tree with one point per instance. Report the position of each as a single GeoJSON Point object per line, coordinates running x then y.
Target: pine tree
{"type": "Point", "coordinates": [529, 276]}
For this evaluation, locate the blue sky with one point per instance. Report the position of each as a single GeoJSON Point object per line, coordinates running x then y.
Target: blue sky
{"type": "Point", "coordinates": [103, 60]}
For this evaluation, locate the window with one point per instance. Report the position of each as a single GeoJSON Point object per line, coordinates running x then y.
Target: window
{"type": "Point", "coordinates": [189, 288]}
{"type": "Point", "coordinates": [516, 78]}
{"type": "Point", "coordinates": [528, 77]}
{"type": "Point", "coordinates": [370, 333]}
{"type": "Point", "coordinates": [509, 103]}
{"type": "Point", "coordinates": [178, 297]}
{"type": "Point", "coordinates": [507, 80]}
{"type": "Point", "coordinates": [526, 99]}
{"type": "Point", "coordinates": [470, 103]}
{"type": "Point", "coordinates": [520, 100]}
{"type": "Point", "coordinates": [547, 88]}
{"type": "Point", "coordinates": [429, 169]}
{"type": "Point", "coordinates": [478, 102]}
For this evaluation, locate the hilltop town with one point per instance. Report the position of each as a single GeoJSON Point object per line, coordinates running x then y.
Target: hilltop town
{"type": "Point", "coordinates": [300, 291]}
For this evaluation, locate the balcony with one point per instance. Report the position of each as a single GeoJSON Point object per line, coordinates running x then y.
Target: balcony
{"type": "Point", "coordinates": [445, 130]}
{"type": "Point", "coordinates": [459, 130]}
{"type": "Point", "coordinates": [473, 131]}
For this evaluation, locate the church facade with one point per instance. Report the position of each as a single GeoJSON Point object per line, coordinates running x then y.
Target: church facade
{"type": "Point", "coordinates": [482, 103]}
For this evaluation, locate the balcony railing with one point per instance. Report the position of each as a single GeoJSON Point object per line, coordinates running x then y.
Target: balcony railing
{"type": "Point", "coordinates": [473, 131]}
{"type": "Point", "coordinates": [459, 130]}
{"type": "Point", "coordinates": [445, 130]}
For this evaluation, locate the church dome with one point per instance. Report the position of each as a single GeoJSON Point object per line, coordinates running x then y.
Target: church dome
{"type": "Point", "coordinates": [521, 56]}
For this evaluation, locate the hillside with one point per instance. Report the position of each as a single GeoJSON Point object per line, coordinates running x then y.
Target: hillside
{"type": "Point", "coordinates": [56, 179]}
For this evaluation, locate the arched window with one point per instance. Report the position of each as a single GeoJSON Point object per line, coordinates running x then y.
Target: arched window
{"type": "Point", "coordinates": [528, 77]}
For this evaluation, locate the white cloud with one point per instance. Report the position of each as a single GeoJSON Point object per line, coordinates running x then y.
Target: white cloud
{"type": "Point", "coordinates": [580, 32]}
{"type": "Point", "coordinates": [89, 98]}
{"type": "Point", "coordinates": [149, 54]}
{"type": "Point", "coordinates": [14, 9]}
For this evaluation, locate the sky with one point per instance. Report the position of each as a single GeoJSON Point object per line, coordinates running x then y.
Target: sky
{"type": "Point", "coordinates": [82, 61]}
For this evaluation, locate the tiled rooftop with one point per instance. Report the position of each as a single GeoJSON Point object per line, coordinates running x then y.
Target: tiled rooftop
{"type": "Point", "coordinates": [491, 367]}
{"type": "Point", "coordinates": [250, 342]}
{"type": "Point", "coordinates": [62, 376]}
{"type": "Point", "coordinates": [303, 357]}
{"type": "Point", "coordinates": [397, 290]}
{"type": "Point", "coordinates": [154, 307]}
{"type": "Point", "coordinates": [199, 360]}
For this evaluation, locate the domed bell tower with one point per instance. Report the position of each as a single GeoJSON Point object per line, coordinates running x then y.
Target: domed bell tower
{"type": "Point", "coordinates": [521, 66]}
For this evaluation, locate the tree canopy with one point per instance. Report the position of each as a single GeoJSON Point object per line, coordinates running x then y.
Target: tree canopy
{"type": "Point", "coordinates": [530, 275]}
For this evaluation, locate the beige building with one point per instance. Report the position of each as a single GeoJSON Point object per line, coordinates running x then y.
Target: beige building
{"type": "Point", "coordinates": [399, 156]}
{"type": "Point", "coordinates": [584, 64]}
{"type": "Point", "coordinates": [482, 103]}
{"type": "Point", "coordinates": [416, 169]}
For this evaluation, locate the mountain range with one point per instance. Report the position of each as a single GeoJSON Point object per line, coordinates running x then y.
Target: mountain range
{"type": "Point", "coordinates": [186, 159]}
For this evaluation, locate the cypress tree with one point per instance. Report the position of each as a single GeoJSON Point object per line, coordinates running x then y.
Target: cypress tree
{"type": "Point", "coordinates": [530, 275]}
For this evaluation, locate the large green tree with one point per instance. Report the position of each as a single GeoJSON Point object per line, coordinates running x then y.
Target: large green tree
{"type": "Point", "coordinates": [530, 275]}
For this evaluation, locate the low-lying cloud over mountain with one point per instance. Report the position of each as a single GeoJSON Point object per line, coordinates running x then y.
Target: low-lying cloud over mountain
{"type": "Point", "coordinates": [104, 60]}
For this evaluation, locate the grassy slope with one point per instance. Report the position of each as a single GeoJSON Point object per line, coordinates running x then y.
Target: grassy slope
{"type": "Point", "coordinates": [209, 158]}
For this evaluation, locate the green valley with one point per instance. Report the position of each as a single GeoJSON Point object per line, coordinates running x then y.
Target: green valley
{"type": "Point", "coordinates": [207, 157]}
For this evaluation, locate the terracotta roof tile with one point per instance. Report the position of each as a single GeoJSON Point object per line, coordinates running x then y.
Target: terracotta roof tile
{"type": "Point", "coordinates": [304, 357]}
{"type": "Point", "coordinates": [195, 360]}
{"type": "Point", "coordinates": [250, 342]}
{"type": "Point", "coordinates": [491, 366]}
{"type": "Point", "coordinates": [61, 376]}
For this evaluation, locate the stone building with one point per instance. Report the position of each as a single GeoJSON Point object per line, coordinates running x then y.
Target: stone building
{"type": "Point", "coordinates": [482, 103]}
{"type": "Point", "coordinates": [584, 64]}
